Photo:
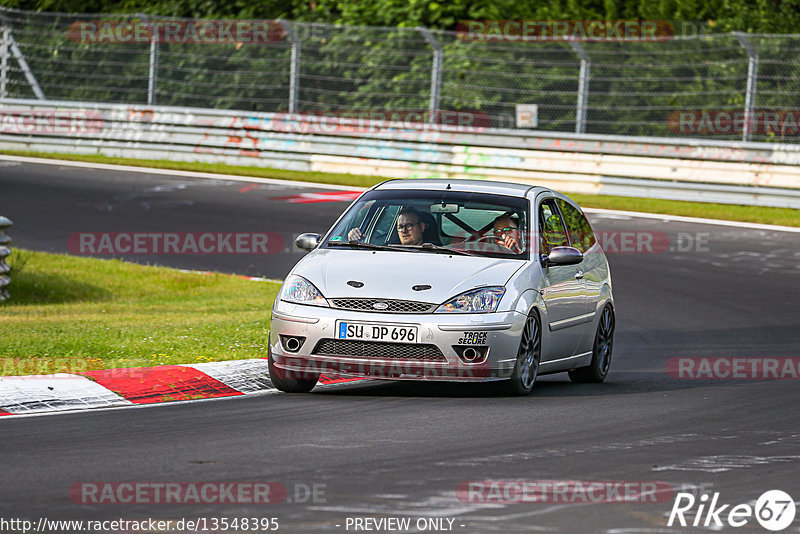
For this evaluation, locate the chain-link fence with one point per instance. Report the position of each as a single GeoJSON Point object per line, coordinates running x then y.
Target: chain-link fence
{"type": "Point", "coordinates": [680, 87]}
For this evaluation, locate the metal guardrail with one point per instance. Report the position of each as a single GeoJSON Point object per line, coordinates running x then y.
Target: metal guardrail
{"type": "Point", "coordinates": [766, 174]}
{"type": "Point", "coordinates": [5, 250]}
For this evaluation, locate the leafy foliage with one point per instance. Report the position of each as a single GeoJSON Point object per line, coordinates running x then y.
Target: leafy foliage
{"type": "Point", "coordinates": [757, 16]}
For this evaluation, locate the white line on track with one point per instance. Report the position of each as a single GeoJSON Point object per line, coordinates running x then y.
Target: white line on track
{"type": "Point", "coordinates": [172, 172]}
{"type": "Point", "coordinates": [695, 220]}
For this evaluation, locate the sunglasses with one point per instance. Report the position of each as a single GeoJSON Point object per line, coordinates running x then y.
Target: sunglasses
{"type": "Point", "coordinates": [503, 231]}
{"type": "Point", "coordinates": [407, 227]}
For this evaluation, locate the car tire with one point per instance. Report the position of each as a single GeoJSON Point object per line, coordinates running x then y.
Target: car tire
{"type": "Point", "coordinates": [597, 370]}
{"type": "Point", "coordinates": [529, 356]}
{"type": "Point", "coordinates": [283, 383]}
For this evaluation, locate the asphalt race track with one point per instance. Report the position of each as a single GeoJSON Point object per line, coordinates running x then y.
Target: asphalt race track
{"type": "Point", "coordinates": [401, 450]}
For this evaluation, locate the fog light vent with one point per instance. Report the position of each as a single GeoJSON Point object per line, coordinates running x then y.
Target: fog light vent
{"type": "Point", "coordinates": [471, 353]}
{"type": "Point", "coordinates": [292, 343]}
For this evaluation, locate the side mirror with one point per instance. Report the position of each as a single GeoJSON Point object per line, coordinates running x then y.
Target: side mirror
{"type": "Point", "coordinates": [563, 256]}
{"type": "Point", "coordinates": [307, 242]}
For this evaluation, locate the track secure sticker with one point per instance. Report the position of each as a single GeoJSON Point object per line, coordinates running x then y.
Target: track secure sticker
{"type": "Point", "coordinates": [473, 338]}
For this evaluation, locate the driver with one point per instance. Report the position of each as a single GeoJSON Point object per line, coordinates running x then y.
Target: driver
{"type": "Point", "coordinates": [409, 228]}
{"type": "Point", "coordinates": [506, 233]}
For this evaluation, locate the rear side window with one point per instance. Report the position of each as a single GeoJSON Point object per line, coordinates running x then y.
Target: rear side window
{"type": "Point", "coordinates": [580, 231]}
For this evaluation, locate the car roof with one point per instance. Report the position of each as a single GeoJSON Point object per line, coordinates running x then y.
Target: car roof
{"type": "Point", "coordinates": [477, 186]}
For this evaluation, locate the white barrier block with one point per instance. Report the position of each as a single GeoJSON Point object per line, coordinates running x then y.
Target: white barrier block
{"type": "Point", "coordinates": [53, 393]}
{"type": "Point", "coordinates": [247, 376]}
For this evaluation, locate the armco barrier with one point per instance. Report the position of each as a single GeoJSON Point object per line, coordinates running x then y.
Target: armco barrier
{"type": "Point", "coordinates": [687, 169]}
{"type": "Point", "coordinates": [5, 250]}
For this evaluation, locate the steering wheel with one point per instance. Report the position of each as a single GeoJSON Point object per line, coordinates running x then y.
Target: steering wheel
{"type": "Point", "coordinates": [483, 243]}
{"type": "Point", "coordinates": [480, 238]}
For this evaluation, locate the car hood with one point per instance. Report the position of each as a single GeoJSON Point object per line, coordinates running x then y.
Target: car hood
{"type": "Point", "coordinates": [391, 275]}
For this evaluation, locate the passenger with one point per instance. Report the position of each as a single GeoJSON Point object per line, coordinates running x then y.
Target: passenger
{"type": "Point", "coordinates": [506, 233]}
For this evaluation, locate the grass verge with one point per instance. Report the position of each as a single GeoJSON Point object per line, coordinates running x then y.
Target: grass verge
{"type": "Point", "coordinates": [71, 314]}
{"type": "Point", "coordinates": [731, 212]}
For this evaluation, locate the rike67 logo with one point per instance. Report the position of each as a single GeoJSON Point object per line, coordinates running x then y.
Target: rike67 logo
{"type": "Point", "coordinates": [774, 510]}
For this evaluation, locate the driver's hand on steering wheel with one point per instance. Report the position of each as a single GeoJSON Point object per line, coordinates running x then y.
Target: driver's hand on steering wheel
{"type": "Point", "coordinates": [354, 234]}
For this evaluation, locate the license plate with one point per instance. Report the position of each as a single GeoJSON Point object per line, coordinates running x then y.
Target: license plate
{"type": "Point", "coordinates": [376, 332]}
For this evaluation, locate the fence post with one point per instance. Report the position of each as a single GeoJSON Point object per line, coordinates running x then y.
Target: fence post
{"type": "Point", "coordinates": [436, 73]}
{"type": "Point", "coordinates": [8, 39]}
{"type": "Point", "coordinates": [5, 250]}
{"type": "Point", "coordinates": [294, 67]}
{"type": "Point", "coordinates": [583, 87]}
{"type": "Point", "coordinates": [152, 73]}
{"type": "Point", "coordinates": [4, 62]}
{"type": "Point", "coordinates": [750, 92]}
{"type": "Point", "coordinates": [152, 78]}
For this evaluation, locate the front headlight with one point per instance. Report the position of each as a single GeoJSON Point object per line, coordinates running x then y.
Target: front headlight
{"type": "Point", "coordinates": [298, 289]}
{"type": "Point", "coordinates": [483, 300]}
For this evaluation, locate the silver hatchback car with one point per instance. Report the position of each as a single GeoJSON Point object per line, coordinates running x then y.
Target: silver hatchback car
{"type": "Point", "coordinates": [454, 280]}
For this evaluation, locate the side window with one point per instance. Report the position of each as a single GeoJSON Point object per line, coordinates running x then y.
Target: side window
{"type": "Point", "coordinates": [551, 228]}
{"type": "Point", "coordinates": [580, 231]}
{"type": "Point", "coordinates": [356, 219]}
{"type": "Point", "coordinates": [384, 225]}
{"type": "Point", "coordinates": [360, 216]}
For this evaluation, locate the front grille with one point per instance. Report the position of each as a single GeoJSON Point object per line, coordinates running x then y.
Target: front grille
{"type": "Point", "coordinates": [379, 349]}
{"type": "Point", "coordinates": [392, 306]}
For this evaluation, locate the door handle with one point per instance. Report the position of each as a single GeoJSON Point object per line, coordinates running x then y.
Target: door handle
{"type": "Point", "coordinates": [579, 275]}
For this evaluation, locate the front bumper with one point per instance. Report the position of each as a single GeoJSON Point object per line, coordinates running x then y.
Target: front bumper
{"type": "Point", "coordinates": [496, 334]}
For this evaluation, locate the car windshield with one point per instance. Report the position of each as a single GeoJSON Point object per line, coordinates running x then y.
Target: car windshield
{"type": "Point", "coordinates": [435, 222]}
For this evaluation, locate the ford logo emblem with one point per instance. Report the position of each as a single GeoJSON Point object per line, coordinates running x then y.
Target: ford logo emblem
{"type": "Point", "coordinates": [380, 305]}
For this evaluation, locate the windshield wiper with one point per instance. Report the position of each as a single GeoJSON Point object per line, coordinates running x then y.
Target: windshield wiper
{"type": "Point", "coordinates": [438, 249]}
{"type": "Point", "coordinates": [359, 244]}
